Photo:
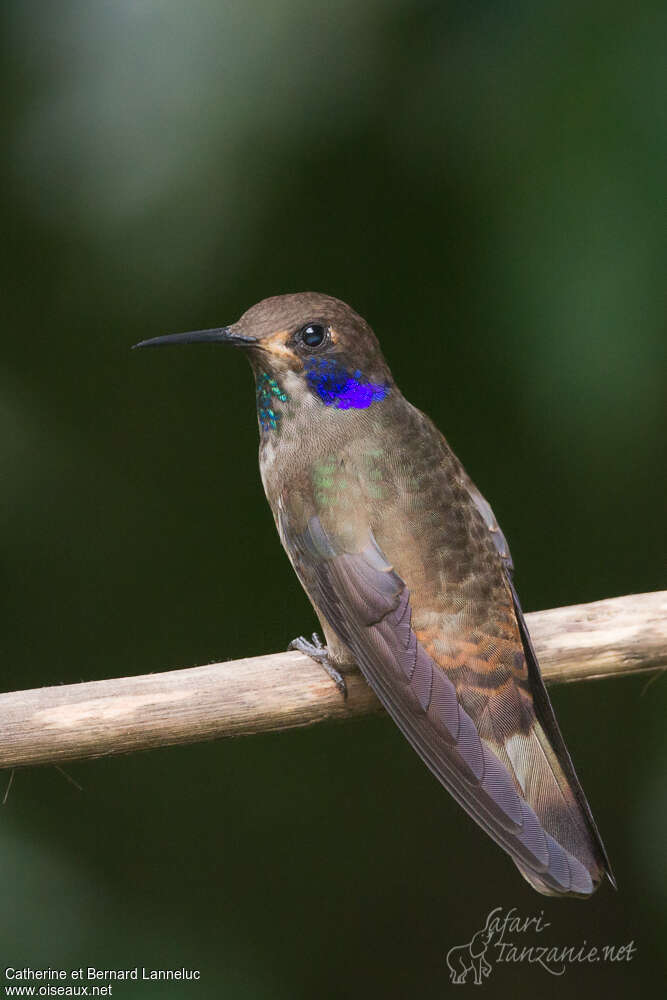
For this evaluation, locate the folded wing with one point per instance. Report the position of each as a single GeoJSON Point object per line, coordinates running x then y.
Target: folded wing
{"type": "Point", "coordinates": [488, 746]}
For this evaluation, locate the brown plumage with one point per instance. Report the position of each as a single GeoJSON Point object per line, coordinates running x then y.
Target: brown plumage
{"type": "Point", "coordinates": [411, 579]}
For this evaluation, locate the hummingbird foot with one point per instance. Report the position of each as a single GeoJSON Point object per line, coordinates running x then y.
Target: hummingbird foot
{"type": "Point", "coordinates": [317, 651]}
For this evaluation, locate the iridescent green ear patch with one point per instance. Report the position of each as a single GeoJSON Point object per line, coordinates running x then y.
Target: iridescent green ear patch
{"type": "Point", "coordinates": [268, 390]}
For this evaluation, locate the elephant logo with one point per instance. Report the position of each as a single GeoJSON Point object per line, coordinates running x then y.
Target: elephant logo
{"type": "Point", "coordinates": [471, 957]}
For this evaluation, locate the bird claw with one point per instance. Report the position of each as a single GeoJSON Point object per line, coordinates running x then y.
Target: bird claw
{"type": "Point", "coordinates": [317, 651]}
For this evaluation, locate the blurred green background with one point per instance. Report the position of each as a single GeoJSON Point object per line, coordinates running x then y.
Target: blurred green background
{"type": "Point", "coordinates": [485, 182]}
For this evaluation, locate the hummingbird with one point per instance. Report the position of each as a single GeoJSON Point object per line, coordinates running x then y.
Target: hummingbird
{"type": "Point", "coordinates": [411, 579]}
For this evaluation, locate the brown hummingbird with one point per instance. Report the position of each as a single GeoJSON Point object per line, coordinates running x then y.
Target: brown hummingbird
{"type": "Point", "coordinates": [411, 579]}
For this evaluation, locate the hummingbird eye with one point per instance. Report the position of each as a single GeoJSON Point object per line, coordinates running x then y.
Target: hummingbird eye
{"type": "Point", "coordinates": [312, 336]}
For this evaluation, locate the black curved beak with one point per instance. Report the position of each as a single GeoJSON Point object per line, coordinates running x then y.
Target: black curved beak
{"type": "Point", "coordinates": [222, 335]}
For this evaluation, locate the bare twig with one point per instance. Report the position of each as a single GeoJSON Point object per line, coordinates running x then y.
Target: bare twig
{"type": "Point", "coordinates": [8, 789]}
{"type": "Point", "coordinates": [624, 635]}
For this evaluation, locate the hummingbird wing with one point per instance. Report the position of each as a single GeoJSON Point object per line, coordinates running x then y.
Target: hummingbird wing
{"type": "Point", "coordinates": [546, 757]}
{"type": "Point", "coordinates": [488, 748]}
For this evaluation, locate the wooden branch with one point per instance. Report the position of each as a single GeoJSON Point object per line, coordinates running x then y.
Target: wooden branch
{"type": "Point", "coordinates": [625, 635]}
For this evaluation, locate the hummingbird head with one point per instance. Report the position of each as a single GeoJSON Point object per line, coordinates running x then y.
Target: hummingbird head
{"type": "Point", "coordinates": [299, 345]}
